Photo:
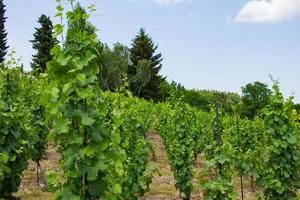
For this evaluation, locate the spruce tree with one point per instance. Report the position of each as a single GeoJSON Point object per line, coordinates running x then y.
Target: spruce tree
{"type": "Point", "coordinates": [145, 60]}
{"type": "Point", "coordinates": [43, 42]}
{"type": "Point", "coordinates": [3, 34]}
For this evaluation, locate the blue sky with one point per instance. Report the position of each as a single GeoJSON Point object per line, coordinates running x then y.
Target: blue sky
{"type": "Point", "coordinates": [206, 44]}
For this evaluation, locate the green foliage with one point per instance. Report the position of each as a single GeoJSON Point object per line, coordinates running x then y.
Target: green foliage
{"type": "Point", "coordinates": [14, 137]}
{"type": "Point", "coordinates": [138, 177]}
{"type": "Point", "coordinates": [174, 124]}
{"type": "Point", "coordinates": [43, 42]}
{"type": "Point", "coordinates": [297, 107]}
{"type": "Point", "coordinates": [39, 128]}
{"type": "Point", "coordinates": [114, 65]}
{"type": "Point", "coordinates": [88, 124]}
{"type": "Point", "coordinates": [219, 155]}
{"type": "Point", "coordinates": [4, 169]}
{"type": "Point", "coordinates": [78, 21]}
{"type": "Point", "coordinates": [249, 141]}
{"type": "Point", "coordinates": [131, 117]}
{"type": "Point", "coordinates": [143, 76]}
{"type": "Point", "coordinates": [144, 61]}
{"type": "Point", "coordinates": [219, 188]}
{"type": "Point", "coordinates": [3, 34]}
{"type": "Point", "coordinates": [280, 172]}
{"type": "Point", "coordinates": [255, 97]}
{"type": "Point", "coordinates": [89, 152]}
{"type": "Point", "coordinates": [203, 99]}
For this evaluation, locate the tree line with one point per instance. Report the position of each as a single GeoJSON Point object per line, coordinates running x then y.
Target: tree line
{"type": "Point", "coordinates": [140, 66]}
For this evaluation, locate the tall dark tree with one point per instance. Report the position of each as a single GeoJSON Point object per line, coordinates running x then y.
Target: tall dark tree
{"type": "Point", "coordinates": [143, 72]}
{"type": "Point", "coordinates": [43, 42]}
{"type": "Point", "coordinates": [3, 34]}
{"type": "Point", "coordinates": [255, 97]}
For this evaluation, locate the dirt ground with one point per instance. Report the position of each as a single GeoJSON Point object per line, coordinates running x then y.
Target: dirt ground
{"type": "Point", "coordinates": [162, 187]}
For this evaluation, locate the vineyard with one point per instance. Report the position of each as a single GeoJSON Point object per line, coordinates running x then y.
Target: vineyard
{"type": "Point", "coordinates": [63, 137]}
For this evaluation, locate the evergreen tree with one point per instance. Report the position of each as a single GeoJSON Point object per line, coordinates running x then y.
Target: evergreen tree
{"type": "Point", "coordinates": [3, 34]}
{"type": "Point", "coordinates": [143, 72]}
{"type": "Point", "coordinates": [43, 42]}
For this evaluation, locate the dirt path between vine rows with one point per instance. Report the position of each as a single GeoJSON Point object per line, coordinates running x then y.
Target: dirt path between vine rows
{"type": "Point", "coordinates": [163, 185]}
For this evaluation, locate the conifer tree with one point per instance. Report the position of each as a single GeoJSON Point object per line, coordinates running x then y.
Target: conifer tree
{"type": "Point", "coordinates": [43, 42]}
{"type": "Point", "coordinates": [3, 34]}
{"type": "Point", "coordinates": [143, 72]}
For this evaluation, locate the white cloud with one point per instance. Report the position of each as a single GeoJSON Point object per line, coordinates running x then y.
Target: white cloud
{"type": "Point", "coordinates": [268, 11]}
